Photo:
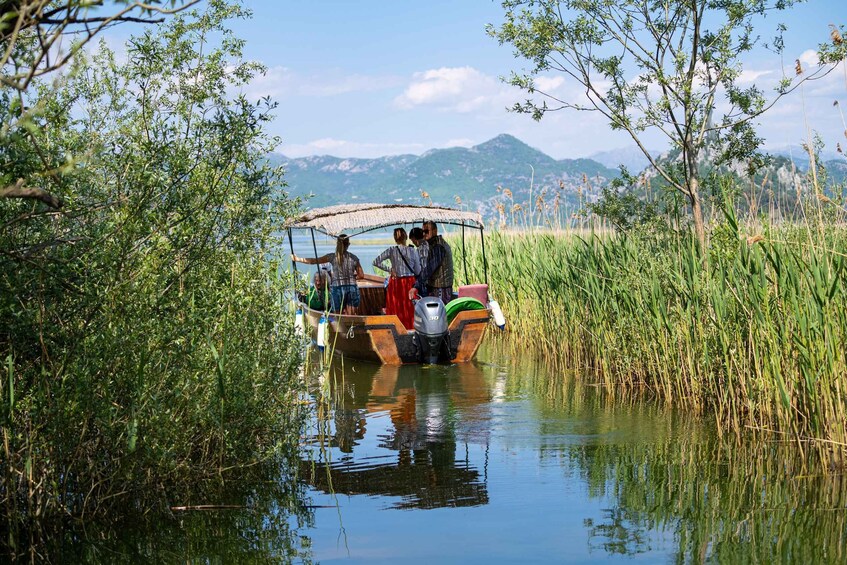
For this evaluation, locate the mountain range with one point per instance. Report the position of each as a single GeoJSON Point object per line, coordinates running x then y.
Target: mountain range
{"type": "Point", "coordinates": [477, 177]}
{"type": "Point", "coordinates": [441, 176]}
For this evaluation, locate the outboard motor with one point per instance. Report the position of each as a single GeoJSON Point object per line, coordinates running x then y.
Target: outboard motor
{"type": "Point", "coordinates": [431, 330]}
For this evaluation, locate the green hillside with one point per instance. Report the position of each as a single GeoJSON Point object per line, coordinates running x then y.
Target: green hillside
{"type": "Point", "coordinates": [773, 188]}
{"type": "Point", "coordinates": [472, 174]}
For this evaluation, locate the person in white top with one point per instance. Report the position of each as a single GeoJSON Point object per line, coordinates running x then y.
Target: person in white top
{"type": "Point", "coordinates": [404, 265]}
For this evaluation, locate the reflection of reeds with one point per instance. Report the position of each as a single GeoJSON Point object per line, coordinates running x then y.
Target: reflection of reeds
{"type": "Point", "coordinates": [725, 501]}
{"type": "Point", "coordinates": [657, 469]}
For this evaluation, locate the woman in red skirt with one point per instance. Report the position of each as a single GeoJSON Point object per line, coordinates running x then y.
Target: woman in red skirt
{"type": "Point", "coordinates": [404, 264]}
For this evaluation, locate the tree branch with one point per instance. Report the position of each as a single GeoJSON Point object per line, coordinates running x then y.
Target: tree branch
{"type": "Point", "coordinates": [71, 21]}
{"type": "Point", "coordinates": [52, 25]}
{"type": "Point", "coordinates": [18, 190]}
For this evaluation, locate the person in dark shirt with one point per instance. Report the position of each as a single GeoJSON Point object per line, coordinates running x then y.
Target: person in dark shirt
{"type": "Point", "coordinates": [416, 236]}
{"type": "Point", "coordinates": [436, 278]}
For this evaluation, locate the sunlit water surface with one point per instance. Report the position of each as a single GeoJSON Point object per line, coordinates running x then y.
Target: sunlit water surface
{"type": "Point", "coordinates": [500, 460]}
{"type": "Point", "coordinates": [461, 463]}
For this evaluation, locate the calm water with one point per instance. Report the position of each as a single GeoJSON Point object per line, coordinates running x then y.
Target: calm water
{"type": "Point", "coordinates": [503, 461]}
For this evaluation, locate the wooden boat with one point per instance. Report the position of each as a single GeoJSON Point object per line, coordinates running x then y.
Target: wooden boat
{"type": "Point", "coordinates": [372, 335]}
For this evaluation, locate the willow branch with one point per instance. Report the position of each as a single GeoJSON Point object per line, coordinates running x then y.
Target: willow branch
{"type": "Point", "coordinates": [18, 190]}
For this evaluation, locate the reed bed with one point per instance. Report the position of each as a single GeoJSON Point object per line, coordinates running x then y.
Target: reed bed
{"type": "Point", "coordinates": [753, 331]}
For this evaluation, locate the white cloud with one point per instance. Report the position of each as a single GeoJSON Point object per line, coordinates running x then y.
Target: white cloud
{"type": "Point", "coordinates": [458, 89]}
{"type": "Point", "coordinates": [459, 142]}
{"type": "Point", "coordinates": [749, 76]}
{"type": "Point", "coordinates": [328, 144]}
{"type": "Point", "coordinates": [276, 82]}
{"type": "Point", "coordinates": [466, 90]}
{"type": "Point", "coordinates": [333, 86]}
{"type": "Point", "coordinates": [807, 110]}
{"type": "Point", "coordinates": [474, 103]}
{"type": "Point", "coordinates": [549, 84]}
{"type": "Point", "coordinates": [809, 58]}
{"type": "Point", "coordinates": [832, 85]}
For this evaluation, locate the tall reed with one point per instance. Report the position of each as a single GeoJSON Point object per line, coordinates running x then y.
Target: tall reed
{"type": "Point", "coordinates": [754, 331]}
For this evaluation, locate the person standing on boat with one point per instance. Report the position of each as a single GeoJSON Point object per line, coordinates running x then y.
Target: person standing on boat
{"type": "Point", "coordinates": [346, 269]}
{"type": "Point", "coordinates": [436, 279]}
{"type": "Point", "coordinates": [404, 268]}
{"type": "Point", "coordinates": [417, 237]}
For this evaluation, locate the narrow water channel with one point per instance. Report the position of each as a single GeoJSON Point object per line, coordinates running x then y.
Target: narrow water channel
{"type": "Point", "coordinates": [501, 460]}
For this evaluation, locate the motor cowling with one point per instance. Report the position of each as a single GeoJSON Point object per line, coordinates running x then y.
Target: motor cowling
{"type": "Point", "coordinates": [431, 330]}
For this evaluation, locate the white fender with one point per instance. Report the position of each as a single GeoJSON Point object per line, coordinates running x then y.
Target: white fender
{"type": "Point", "coordinates": [299, 326]}
{"type": "Point", "coordinates": [322, 333]}
{"type": "Point", "coordinates": [499, 318]}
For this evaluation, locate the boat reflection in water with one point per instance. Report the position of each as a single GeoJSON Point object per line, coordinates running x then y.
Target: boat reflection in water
{"type": "Point", "coordinates": [401, 424]}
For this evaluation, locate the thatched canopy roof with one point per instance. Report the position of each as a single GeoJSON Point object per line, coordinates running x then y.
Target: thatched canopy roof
{"type": "Point", "coordinates": [359, 218]}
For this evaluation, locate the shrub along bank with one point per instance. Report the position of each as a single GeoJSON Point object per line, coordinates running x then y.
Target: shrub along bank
{"type": "Point", "coordinates": [143, 343]}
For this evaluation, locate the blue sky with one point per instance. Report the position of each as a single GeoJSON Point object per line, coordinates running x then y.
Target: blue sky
{"type": "Point", "coordinates": [371, 78]}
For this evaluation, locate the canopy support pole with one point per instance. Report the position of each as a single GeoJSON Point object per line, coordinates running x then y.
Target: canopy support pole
{"type": "Point", "coordinates": [484, 260]}
{"type": "Point", "coordinates": [291, 245]}
{"type": "Point", "coordinates": [315, 249]}
{"type": "Point", "coordinates": [464, 255]}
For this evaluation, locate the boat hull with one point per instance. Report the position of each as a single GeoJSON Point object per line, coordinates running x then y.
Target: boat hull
{"type": "Point", "coordinates": [383, 339]}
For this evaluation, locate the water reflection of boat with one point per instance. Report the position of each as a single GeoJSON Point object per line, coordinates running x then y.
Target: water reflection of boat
{"type": "Point", "coordinates": [371, 335]}
{"type": "Point", "coordinates": [428, 411]}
